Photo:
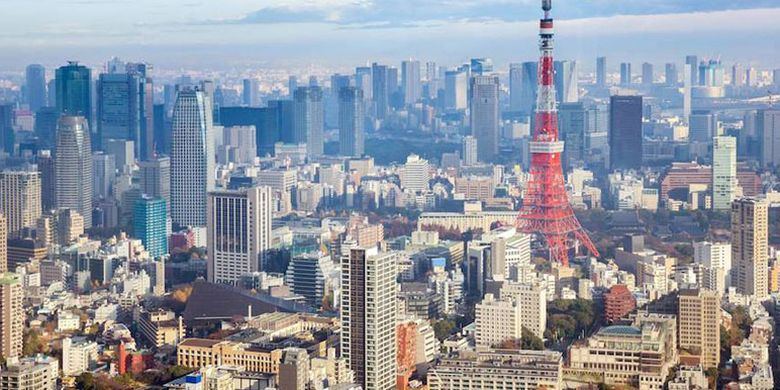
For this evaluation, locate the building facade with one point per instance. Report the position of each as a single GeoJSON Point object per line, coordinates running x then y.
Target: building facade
{"type": "Point", "coordinates": [73, 165]}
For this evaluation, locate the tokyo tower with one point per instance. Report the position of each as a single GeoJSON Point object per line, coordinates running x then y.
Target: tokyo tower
{"type": "Point", "coordinates": [546, 211]}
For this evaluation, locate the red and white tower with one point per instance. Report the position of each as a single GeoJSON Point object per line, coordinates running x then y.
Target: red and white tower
{"type": "Point", "coordinates": [546, 211]}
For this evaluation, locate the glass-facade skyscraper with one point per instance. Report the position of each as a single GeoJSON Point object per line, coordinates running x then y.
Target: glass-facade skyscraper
{"type": "Point", "coordinates": [309, 120]}
{"type": "Point", "coordinates": [150, 224]}
{"type": "Point", "coordinates": [351, 122]}
{"type": "Point", "coordinates": [625, 136]}
{"type": "Point", "coordinates": [74, 91]}
{"type": "Point", "coordinates": [35, 86]}
{"type": "Point", "coordinates": [485, 116]}
{"type": "Point", "coordinates": [73, 167]}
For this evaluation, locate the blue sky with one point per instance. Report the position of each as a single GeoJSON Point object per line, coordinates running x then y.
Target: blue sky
{"type": "Point", "coordinates": [231, 32]}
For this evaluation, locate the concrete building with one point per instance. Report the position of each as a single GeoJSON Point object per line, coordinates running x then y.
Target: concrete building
{"type": "Point", "coordinates": [485, 116]}
{"type": "Point", "coordinates": [73, 164]}
{"type": "Point", "coordinates": [160, 328]}
{"type": "Point", "coordinates": [469, 155]}
{"type": "Point", "coordinates": [239, 233]}
{"type": "Point", "coordinates": [749, 246]}
{"type": "Point", "coordinates": [309, 120]}
{"type": "Point", "coordinates": [155, 175]}
{"type": "Point", "coordinates": [40, 373]}
{"type": "Point", "coordinates": [150, 224]}
{"type": "Point", "coordinates": [78, 356]}
{"type": "Point", "coordinates": [192, 157]}
{"type": "Point", "coordinates": [498, 369]}
{"type": "Point", "coordinates": [20, 200]}
{"type": "Point", "coordinates": [497, 321]}
{"type": "Point", "coordinates": [294, 369]}
{"type": "Point", "coordinates": [352, 119]}
{"type": "Point", "coordinates": [11, 315]}
{"type": "Point", "coordinates": [716, 260]}
{"type": "Point", "coordinates": [532, 299]}
{"type": "Point", "coordinates": [416, 174]}
{"type": "Point", "coordinates": [699, 325]}
{"type": "Point", "coordinates": [618, 302]}
{"type": "Point", "coordinates": [368, 317]}
{"type": "Point", "coordinates": [198, 353]}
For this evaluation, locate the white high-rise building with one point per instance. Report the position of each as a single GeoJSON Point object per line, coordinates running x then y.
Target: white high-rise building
{"type": "Point", "coordinates": [532, 299]}
{"type": "Point", "coordinates": [20, 200]}
{"type": "Point", "coordinates": [78, 356]}
{"type": "Point", "coordinates": [410, 76]}
{"type": "Point", "coordinates": [239, 232]}
{"type": "Point", "coordinates": [456, 85]}
{"type": "Point", "coordinates": [368, 316]}
{"type": "Point", "coordinates": [497, 321]}
{"type": "Point", "coordinates": [73, 167]}
{"type": "Point", "coordinates": [416, 174]}
{"type": "Point", "coordinates": [724, 172]}
{"type": "Point", "coordinates": [749, 246]}
{"type": "Point", "coordinates": [309, 120]}
{"type": "Point", "coordinates": [192, 158]}
{"type": "Point", "coordinates": [716, 259]}
{"type": "Point", "coordinates": [469, 150]}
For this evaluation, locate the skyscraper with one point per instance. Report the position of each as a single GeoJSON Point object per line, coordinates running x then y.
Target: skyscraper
{"type": "Point", "coordinates": [150, 224]}
{"type": "Point", "coordinates": [46, 126]}
{"type": "Point", "coordinates": [250, 93]}
{"type": "Point", "coordinates": [469, 151]}
{"type": "Point", "coordinates": [35, 86]}
{"type": "Point", "coordinates": [455, 90]}
{"type": "Point", "coordinates": [768, 134]}
{"type": "Point", "coordinates": [625, 135]}
{"type": "Point", "coordinates": [693, 62]}
{"type": "Point", "coordinates": [380, 92]}
{"type": "Point", "coordinates": [11, 315]}
{"type": "Point", "coordinates": [192, 158]}
{"type": "Point", "coordinates": [724, 172]}
{"type": "Point", "coordinates": [647, 74]}
{"type": "Point", "coordinates": [671, 74]}
{"type": "Point", "coordinates": [103, 173]}
{"type": "Point", "coordinates": [45, 164]}
{"type": "Point", "coordinates": [572, 119]}
{"type": "Point", "coordinates": [625, 74]}
{"type": "Point", "coordinates": [368, 317]}
{"type": "Point", "coordinates": [7, 135]}
{"type": "Point", "coordinates": [702, 126]}
{"type": "Point", "coordinates": [73, 166]}
{"type": "Point", "coordinates": [566, 81]}
{"type": "Point", "coordinates": [309, 120]}
{"type": "Point", "coordinates": [485, 116]}
{"type": "Point", "coordinates": [530, 87]}
{"type": "Point", "coordinates": [121, 110]}
{"type": "Point", "coordinates": [3, 245]}
{"type": "Point", "coordinates": [155, 175]}
{"type": "Point", "coordinates": [74, 91]}
{"type": "Point", "coordinates": [416, 174]}
{"type": "Point", "coordinates": [515, 87]}
{"type": "Point", "coordinates": [20, 200]}
{"type": "Point", "coordinates": [410, 74]}
{"type": "Point", "coordinates": [352, 117]}
{"type": "Point", "coordinates": [239, 233]}
{"type": "Point", "coordinates": [699, 324]}
{"type": "Point", "coordinates": [749, 246]}
{"type": "Point", "coordinates": [601, 71]}
{"type": "Point", "coordinates": [688, 82]}
{"type": "Point", "coordinates": [285, 118]}
{"type": "Point", "coordinates": [737, 75]}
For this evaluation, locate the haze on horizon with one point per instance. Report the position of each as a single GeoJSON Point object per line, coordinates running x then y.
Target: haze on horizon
{"type": "Point", "coordinates": [197, 33]}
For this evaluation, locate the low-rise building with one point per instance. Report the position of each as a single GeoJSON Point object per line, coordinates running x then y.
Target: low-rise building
{"type": "Point", "coordinates": [197, 353]}
{"type": "Point", "coordinates": [497, 369]}
{"type": "Point", "coordinates": [38, 373]}
{"type": "Point", "coordinates": [160, 327]}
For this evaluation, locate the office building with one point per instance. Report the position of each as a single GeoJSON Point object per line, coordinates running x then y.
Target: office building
{"type": "Point", "coordinates": [699, 320]}
{"type": "Point", "coordinates": [688, 82]}
{"type": "Point", "coordinates": [239, 145]}
{"type": "Point", "coordinates": [716, 259]}
{"type": "Point", "coordinates": [515, 87]}
{"type": "Point", "coordinates": [737, 76]}
{"type": "Point", "coordinates": [78, 355]}
{"type": "Point", "coordinates": [73, 167]}
{"type": "Point", "coordinates": [150, 224]}
{"type": "Point", "coordinates": [693, 62]}
{"type": "Point", "coordinates": [724, 172]}
{"type": "Point", "coordinates": [456, 87]}
{"type": "Point", "coordinates": [625, 74]}
{"type": "Point", "coordinates": [703, 125]}
{"type": "Point", "coordinates": [410, 76]}
{"type": "Point", "coordinates": [601, 71]}
{"type": "Point", "coordinates": [155, 178]}
{"type": "Point", "coordinates": [647, 74]}
{"type": "Point", "coordinates": [104, 171]}
{"type": "Point", "coordinates": [469, 156]}
{"type": "Point", "coordinates": [308, 275]}
{"type": "Point", "coordinates": [122, 111]}
{"type": "Point", "coordinates": [294, 369]}
{"type": "Point", "coordinates": [531, 297]}
{"type": "Point", "coordinates": [11, 314]}
{"type": "Point", "coordinates": [416, 174]}
{"type": "Point", "coordinates": [638, 355]}
{"type": "Point", "coordinates": [309, 120]}
{"type": "Point", "coordinates": [749, 247]}
{"type": "Point", "coordinates": [368, 316]}
{"type": "Point", "coordinates": [671, 75]}
{"type": "Point", "coordinates": [497, 322]}
{"type": "Point", "coordinates": [485, 116]}
{"type": "Point", "coordinates": [192, 158]}
{"type": "Point", "coordinates": [352, 119]}
{"type": "Point", "coordinates": [529, 88]}
{"type": "Point", "coordinates": [481, 66]}
{"type": "Point", "coordinates": [206, 352]}
{"type": "Point", "coordinates": [572, 122]}
{"type": "Point", "coordinates": [498, 369]}
{"type": "Point", "coordinates": [239, 233]}
{"type": "Point", "coordinates": [625, 136]}
{"type": "Point", "coordinates": [618, 302]}
{"type": "Point", "coordinates": [35, 86]}
{"type": "Point", "coordinates": [268, 123]}
{"type": "Point", "coordinates": [566, 81]}
{"type": "Point", "coordinates": [380, 92]}
{"type": "Point", "coordinates": [7, 134]}
{"type": "Point", "coordinates": [74, 91]}
{"type": "Point", "coordinates": [46, 126]}
{"type": "Point", "coordinates": [123, 151]}
{"type": "Point", "coordinates": [20, 200]}
{"type": "Point", "coordinates": [3, 245]}
{"type": "Point", "coordinates": [768, 134]}
{"type": "Point", "coordinates": [250, 93]}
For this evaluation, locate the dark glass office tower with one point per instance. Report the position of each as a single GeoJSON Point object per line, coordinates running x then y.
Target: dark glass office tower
{"type": "Point", "coordinates": [625, 132]}
{"type": "Point", "coordinates": [351, 122]}
{"type": "Point", "coordinates": [572, 120]}
{"type": "Point", "coordinates": [74, 92]}
{"type": "Point", "coordinates": [35, 87]}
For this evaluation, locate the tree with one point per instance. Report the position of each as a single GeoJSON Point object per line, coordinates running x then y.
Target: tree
{"type": "Point", "coordinates": [443, 329]}
{"type": "Point", "coordinates": [530, 341]}
{"type": "Point", "coordinates": [86, 381]}
{"type": "Point", "coordinates": [33, 343]}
